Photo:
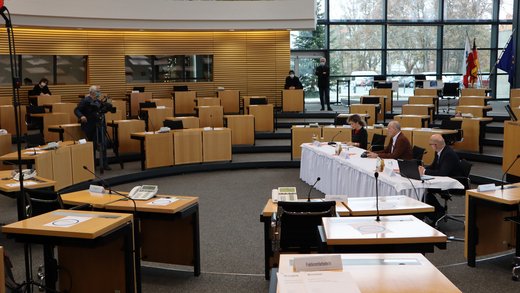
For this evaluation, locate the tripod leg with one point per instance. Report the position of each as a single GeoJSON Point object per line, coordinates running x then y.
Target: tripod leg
{"type": "Point", "coordinates": [115, 147]}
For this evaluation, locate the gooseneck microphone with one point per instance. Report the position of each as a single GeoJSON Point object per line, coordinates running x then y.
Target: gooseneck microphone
{"type": "Point", "coordinates": [510, 166]}
{"type": "Point", "coordinates": [312, 187]}
{"type": "Point", "coordinates": [376, 174]}
{"type": "Point", "coordinates": [331, 142]}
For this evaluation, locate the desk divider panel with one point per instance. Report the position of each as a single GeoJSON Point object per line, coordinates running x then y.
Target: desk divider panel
{"type": "Point", "coordinates": [82, 155]}
{"type": "Point", "coordinates": [62, 167]}
{"type": "Point", "coordinates": [159, 150]}
{"type": "Point", "coordinates": [43, 165]}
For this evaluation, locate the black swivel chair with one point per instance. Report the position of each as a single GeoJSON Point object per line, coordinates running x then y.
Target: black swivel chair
{"type": "Point", "coordinates": [34, 135]}
{"type": "Point", "coordinates": [418, 153]}
{"type": "Point", "coordinates": [448, 194]}
{"type": "Point", "coordinates": [378, 142]}
{"type": "Point", "coordinates": [297, 225]}
{"type": "Point", "coordinates": [450, 91]}
{"type": "Point", "coordinates": [454, 125]}
{"type": "Point", "coordinates": [173, 124]}
{"type": "Point", "coordinates": [138, 88]}
{"type": "Point", "coordinates": [258, 101]}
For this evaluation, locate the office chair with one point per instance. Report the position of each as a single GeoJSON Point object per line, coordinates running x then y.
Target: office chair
{"type": "Point", "coordinates": [447, 195]}
{"type": "Point", "coordinates": [143, 115]}
{"type": "Point", "coordinates": [34, 123]}
{"type": "Point", "coordinates": [180, 88]}
{"type": "Point", "coordinates": [138, 88]}
{"type": "Point", "coordinates": [296, 225]}
{"type": "Point", "coordinates": [418, 153]}
{"type": "Point", "coordinates": [173, 124]}
{"type": "Point", "coordinates": [454, 125]}
{"type": "Point", "coordinates": [450, 91]}
{"type": "Point", "coordinates": [257, 101]}
{"type": "Point", "coordinates": [378, 142]}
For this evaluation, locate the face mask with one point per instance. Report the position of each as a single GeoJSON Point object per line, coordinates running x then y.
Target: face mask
{"type": "Point", "coordinates": [98, 94]}
{"type": "Point", "coordinates": [322, 63]}
{"type": "Point", "coordinates": [291, 75]}
{"type": "Point", "coordinates": [43, 84]}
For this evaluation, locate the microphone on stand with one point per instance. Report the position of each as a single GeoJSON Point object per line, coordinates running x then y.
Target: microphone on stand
{"type": "Point", "coordinates": [376, 174]}
{"type": "Point", "coordinates": [312, 187]}
{"type": "Point", "coordinates": [331, 142]}
{"type": "Point", "coordinates": [510, 166]}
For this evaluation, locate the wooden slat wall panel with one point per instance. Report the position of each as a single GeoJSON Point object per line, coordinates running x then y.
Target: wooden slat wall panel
{"type": "Point", "coordinates": [255, 63]}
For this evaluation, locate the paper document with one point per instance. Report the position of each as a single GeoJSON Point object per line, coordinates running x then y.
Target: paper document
{"type": "Point", "coordinates": [25, 183]}
{"type": "Point", "coordinates": [163, 201]}
{"type": "Point", "coordinates": [317, 282]}
{"type": "Point", "coordinates": [67, 221]}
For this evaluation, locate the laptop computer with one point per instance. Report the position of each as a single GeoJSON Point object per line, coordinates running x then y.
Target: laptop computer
{"type": "Point", "coordinates": [409, 169]}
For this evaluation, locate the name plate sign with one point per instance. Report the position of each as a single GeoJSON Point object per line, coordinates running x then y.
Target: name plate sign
{"type": "Point", "coordinates": [318, 263]}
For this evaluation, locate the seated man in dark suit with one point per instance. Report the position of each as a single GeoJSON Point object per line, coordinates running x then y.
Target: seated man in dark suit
{"type": "Point", "coordinates": [445, 163]}
{"type": "Point", "coordinates": [399, 146]}
{"type": "Point", "coordinates": [292, 81]}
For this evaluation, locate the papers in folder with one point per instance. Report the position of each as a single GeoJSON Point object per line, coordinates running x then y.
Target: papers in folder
{"type": "Point", "coordinates": [317, 282]}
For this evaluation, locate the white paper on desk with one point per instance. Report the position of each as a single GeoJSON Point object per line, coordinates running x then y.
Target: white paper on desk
{"type": "Point", "coordinates": [33, 153]}
{"type": "Point", "coordinates": [67, 221]}
{"type": "Point", "coordinates": [163, 201]}
{"type": "Point", "coordinates": [25, 183]}
{"type": "Point", "coordinates": [317, 282]}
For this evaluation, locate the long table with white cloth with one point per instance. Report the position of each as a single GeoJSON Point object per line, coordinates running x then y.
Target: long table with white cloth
{"type": "Point", "coordinates": [352, 175]}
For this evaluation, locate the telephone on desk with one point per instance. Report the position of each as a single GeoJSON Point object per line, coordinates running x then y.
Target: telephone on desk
{"type": "Point", "coordinates": [144, 192]}
{"type": "Point", "coordinates": [27, 174]}
{"type": "Point", "coordinates": [284, 194]}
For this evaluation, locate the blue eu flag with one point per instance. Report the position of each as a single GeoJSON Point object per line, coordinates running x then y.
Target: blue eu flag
{"type": "Point", "coordinates": [507, 62]}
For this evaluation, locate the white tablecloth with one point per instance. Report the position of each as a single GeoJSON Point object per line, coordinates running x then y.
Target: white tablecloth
{"type": "Point", "coordinates": [354, 176]}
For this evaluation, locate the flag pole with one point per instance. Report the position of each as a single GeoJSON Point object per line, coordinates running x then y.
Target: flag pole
{"type": "Point", "coordinates": [501, 54]}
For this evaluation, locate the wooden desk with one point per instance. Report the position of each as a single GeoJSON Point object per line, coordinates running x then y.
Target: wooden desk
{"type": "Point", "coordinates": [210, 116]}
{"type": "Point", "coordinates": [121, 107]}
{"type": "Point", "coordinates": [246, 100]}
{"type": "Point", "coordinates": [421, 138]}
{"type": "Point", "coordinates": [474, 100]}
{"type": "Point", "coordinates": [339, 133]}
{"type": "Point", "coordinates": [299, 135]}
{"type": "Point", "coordinates": [473, 133]}
{"type": "Point", "coordinates": [367, 109]}
{"type": "Point", "coordinates": [230, 100]}
{"type": "Point", "coordinates": [7, 120]}
{"type": "Point", "coordinates": [416, 121]}
{"type": "Point", "coordinates": [427, 92]}
{"type": "Point", "coordinates": [293, 101]}
{"type": "Point", "coordinates": [381, 109]}
{"type": "Point", "coordinates": [187, 146]}
{"type": "Point", "coordinates": [264, 117]}
{"type": "Point", "coordinates": [135, 100]}
{"type": "Point", "coordinates": [43, 99]}
{"type": "Point", "coordinates": [242, 129]}
{"type": "Point", "coordinates": [52, 119]}
{"type": "Point", "coordinates": [187, 122]}
{"type": "Point", "coordinates": [425, 100]}
{"type": "Point", "coordinates": [179, 218]}
{"type": "Point", "coordinates": [100, 248]}
{"type": "Point", "coordinates": [166, 103]}
{"type": "Point", "coordinates": [156, 116]}
{"type": "Point", "coordinates": [511, 150]}
{"type": "Point", "coordinates": [388, 205]}
{"type": "Point", "coordinates": [6, 101]}
{"type": "Point", "coordinates": [184, 103]}
{"type": "Point", "coordinates": [486, 232]}
{"type": "Point", "coordinates": [391, 234]}
{"type": "Point", "coordinates": [216, 145]}
{"type": "Point", "coordinates": [514, 101]}
{"type": "Point", "coordinates": [6, 146]}
{"type": "Point", "coordinates": [474, 92]}
{"type": "Point", "coordinates": [71, 131]}
{"type": "Point", "coordinates": [387, 95]}
{"type": "Point", "coordinates": [419, 109]}
{"type": "Point", "coordinates": [207, 102]}
{"type": "Point", "coordinates": [156, 149]}
{"type": "Point", "coordinates": [476, 111]}
{"type": "Point", "coordinates": [64, 108]}
{"type": "Point", "coordinates": [387, 273]}
{"type": "Point", "coordinates": [121, 135]}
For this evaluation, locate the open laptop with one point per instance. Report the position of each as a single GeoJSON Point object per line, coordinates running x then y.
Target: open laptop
{"type": "Point", "coordinates": [409, 169]}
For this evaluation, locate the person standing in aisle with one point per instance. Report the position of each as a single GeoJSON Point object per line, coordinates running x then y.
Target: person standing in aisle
{"type": "Point", "coordinates": [323, 72]}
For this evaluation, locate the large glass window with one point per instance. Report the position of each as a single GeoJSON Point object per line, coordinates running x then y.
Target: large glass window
{"type": "Point", "coordinates": [5, 70]}
{"type": "Point", "coordinates": [36, 67]}
{"type": "Point", "coordinates": [356, 36]}
{"type": "Point", "coordinates": [417, 10]}
{"type": "Point", "coordinates": [411, 61]}
{"type": "Point", "coordinates": [138, 69]}
{"type": "Point", "coordinates": [71, 69]}
{"type": "Point", "coordinates": [506, 9]}
{"type": "Point", "coordinates": [468, 9]}
{"type": "Point", "coordinates": [309, 40]}
{"type": "Point", "coordinates": [455, 35]}
{"type": "Point", "coordinates": [412, 37]}
{"type": "Point", "coordinates": [346, 62]}
{"type": "Point", "coordinates": [170, 68]}
{"type": "Point", "coordinates": [355, 9]}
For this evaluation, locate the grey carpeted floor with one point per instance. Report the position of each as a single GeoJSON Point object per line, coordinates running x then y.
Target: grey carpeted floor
{"type": "Point", "coordinates": [232, 236]}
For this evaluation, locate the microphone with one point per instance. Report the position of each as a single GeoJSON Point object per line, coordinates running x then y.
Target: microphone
{"type": "Point", "coordinates": [312, 187]}
{"type": "Point", "coordinates": [67, 132]}
{"type": "Point", "coordinates": [510, 166]}
{"type": "Point", "coordinates": [376, 174]}
{"type": "Point", "coordinates": [365, 153]}
{"type": "Point", "coordinates": [331, 142]}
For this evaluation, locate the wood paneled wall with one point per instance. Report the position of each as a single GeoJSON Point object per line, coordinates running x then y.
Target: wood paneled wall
{"type": "Point", "coordinates": [256, 62]}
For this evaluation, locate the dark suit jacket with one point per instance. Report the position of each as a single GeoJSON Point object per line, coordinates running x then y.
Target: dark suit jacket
{"type": "Point", "coordinates": [402, 149]}
{"type": "Point", "coordinates": [323, 72]}
{"type": "Point", "coordinates": [361, 137]}
{"type": "Point", "coordinates": [295, 82]}
{"type": "Point", "coordinates": [447, 165]}
{"type": "Point", "coordinates": [37, 90]}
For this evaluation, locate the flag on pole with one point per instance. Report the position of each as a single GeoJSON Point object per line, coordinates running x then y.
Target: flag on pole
{"type": "Point", "coordinates": [472, 67]}
{"type": "Point", "coordinates": [467, 50]}
{"type": "Point", "coordinates": [507, 61]}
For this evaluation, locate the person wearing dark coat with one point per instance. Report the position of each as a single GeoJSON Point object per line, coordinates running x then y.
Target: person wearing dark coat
{"type": "Point", "coordinates": [292, 82]}
{"type": "Point", "coordinates": [323, 73]}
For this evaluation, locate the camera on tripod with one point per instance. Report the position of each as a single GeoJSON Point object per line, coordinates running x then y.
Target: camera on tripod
{"type": "Point", "coordinates": [106, 106]}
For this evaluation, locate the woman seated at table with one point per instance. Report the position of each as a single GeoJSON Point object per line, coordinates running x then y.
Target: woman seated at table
{"type": "Point", "coordinates": [359, 133]}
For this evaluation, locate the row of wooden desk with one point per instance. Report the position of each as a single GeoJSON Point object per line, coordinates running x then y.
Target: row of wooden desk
{"type": "Point", "coordinates": [166, 231]}
{"type": "Point", "coordinates": [357, 208]}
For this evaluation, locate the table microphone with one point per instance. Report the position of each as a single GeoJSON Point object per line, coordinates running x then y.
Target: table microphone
{"type": "Point", "coordinates": [510, 166]}
{"type": "Point", "coordinates": [376, 174]}
{"type": "Point", "coordinates": [312, 187]}
{"type": "Point", "coordinates": [331, 142]}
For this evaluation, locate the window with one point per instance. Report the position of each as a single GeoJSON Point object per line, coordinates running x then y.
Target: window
{"type": "Point", "coordinates": [417, 10]}
{"type": "Point", "coordinates": [35, 68]}
{"type": "Point", "coordinates": [172, 68]}
{"type": "Point", "coordinates": [356, 9]}
{"type": "Point", "coordinates": [71, 69]}
{"type": "Point", "coordinates": [355, 36]}
{"type": "Point", "coordinates": [472, 9]}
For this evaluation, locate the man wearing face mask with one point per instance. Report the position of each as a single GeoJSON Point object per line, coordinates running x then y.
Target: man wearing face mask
{"type": "Point", "coordinates": [41, 88]}
{"type": "Point", "coordinates": [292, 81]}
{"type": "Point", "coordinates": [88, 113]}
{"type": "Point", "coordinates": [323, 72]}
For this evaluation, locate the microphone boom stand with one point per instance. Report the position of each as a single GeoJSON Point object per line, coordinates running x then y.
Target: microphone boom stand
{"type": "Point", "coordinates": [376, 174]}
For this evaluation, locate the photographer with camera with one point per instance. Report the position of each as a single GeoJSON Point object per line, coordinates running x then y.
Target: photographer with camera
{"type": "Point", "coordinates": [91, 113]}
